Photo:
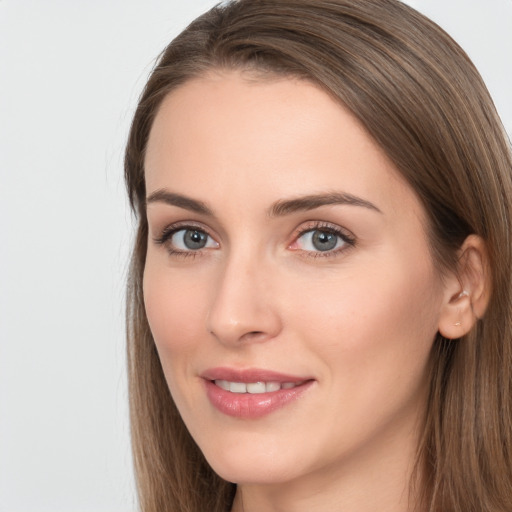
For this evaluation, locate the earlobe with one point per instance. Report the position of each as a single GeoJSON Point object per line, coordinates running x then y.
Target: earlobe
{"type": "Point", "coordinates": [457, 317]}
{"type": "Point", "coordinates": [467, 291]}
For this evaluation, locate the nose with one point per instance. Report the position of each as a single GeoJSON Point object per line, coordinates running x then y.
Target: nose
{"type": "Point", "coordinates": [243, 309]}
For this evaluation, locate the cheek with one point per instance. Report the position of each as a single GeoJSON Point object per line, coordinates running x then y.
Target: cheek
{"type": "Point", "coordinates": [174, 311]}
{"type": "Point", "coordinates": [372, 335]}
{"type": "Point", "coordinates": [374, 325]}
{"type": "Point", "coordinates": [177, 321]}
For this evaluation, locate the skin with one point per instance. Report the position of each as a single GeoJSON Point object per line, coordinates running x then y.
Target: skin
{"type": "Point", "coordinates": [360, 319]}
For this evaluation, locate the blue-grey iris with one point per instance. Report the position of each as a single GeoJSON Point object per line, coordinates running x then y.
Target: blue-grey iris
{"type": "Point", "coordinates": [194, 239]}
{"type": "Point", "coordinates": [324, 240]}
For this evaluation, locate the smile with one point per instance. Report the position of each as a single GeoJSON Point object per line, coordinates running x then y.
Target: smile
{"type": "Point", "coordinates": [252, 393]}
{"type": "Point", "coordinates": [255, 388]}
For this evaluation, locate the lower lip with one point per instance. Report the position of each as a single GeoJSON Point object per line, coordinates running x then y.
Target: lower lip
{"type": "Point", "coordinates": [252, 406]}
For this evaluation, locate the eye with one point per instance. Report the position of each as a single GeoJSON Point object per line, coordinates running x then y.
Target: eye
{"type": "Point", "coordinates": [191, 240]}
{"type": "Point", "coordinates": [186, 240]}
{"type": "Point", "coordinates": [322, 241]}
{"type": "Point", "coordinates": [319, 240]}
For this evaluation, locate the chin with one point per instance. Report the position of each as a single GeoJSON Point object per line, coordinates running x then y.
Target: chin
{"type": "Point", "coordinates": [257, 463]}
{"type": "Point", "coordinates": [249, 472]}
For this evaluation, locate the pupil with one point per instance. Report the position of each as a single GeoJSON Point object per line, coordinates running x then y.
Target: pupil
{"type": "Point", "coordinates": [194, 239]}
{"type": "Point", "coordinates": [324, 241]}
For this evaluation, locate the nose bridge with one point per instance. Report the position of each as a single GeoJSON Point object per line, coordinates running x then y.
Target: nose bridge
{"type": "Point", "coordinates": [242, 307]}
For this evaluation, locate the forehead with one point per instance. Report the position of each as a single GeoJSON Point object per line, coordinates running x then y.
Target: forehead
{"type": "Point", "coordinates": [225, 135]}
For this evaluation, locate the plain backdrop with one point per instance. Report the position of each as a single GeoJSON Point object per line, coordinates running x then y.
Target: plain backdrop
{"type": "Point", "coordinates": [70, 74]}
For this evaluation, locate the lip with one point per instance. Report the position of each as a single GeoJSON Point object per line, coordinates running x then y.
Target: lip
{"type": "Point", "coordinates": [247, 405]}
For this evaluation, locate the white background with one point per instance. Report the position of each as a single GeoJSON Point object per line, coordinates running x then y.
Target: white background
{"type": "Point", "coordinates": [70, 74]}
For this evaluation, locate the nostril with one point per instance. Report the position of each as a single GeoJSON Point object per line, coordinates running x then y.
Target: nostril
{"type": "Point", "coordinates": [253, 336]}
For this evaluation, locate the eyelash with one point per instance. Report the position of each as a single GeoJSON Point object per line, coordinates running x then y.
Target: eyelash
{"type": "Point", "coordinates": [171, 230]}
{"type": "Point", "coordinates": [348, 239]}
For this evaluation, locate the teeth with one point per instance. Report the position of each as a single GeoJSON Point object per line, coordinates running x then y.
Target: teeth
{"type": "Point", "coordinates": [272, 386]}
{"type": "Point", "coordinates": [224, 384]}
{"type": "Point", "coordinates": [237, 387]}
{"type": "Point", "coordinates": [254, 387]}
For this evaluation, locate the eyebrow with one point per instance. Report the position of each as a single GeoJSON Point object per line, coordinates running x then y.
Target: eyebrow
{"type": "Point", "coordinates": [278, 209]}
{"type": "Point", "coordinates": [310, 202]}
{"type": "Point", "coordinates": [181, 201]}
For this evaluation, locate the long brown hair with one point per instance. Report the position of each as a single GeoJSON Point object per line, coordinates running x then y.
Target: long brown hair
{"type": "Point", "coordinates": [422, 100]}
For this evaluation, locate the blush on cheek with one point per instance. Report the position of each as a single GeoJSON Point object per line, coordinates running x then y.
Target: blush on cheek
{"type": "Point", "coordinates": [169, 322]}
{"type": "Point", "coordinates": [166, 313]}
{"type": "Point", "coordinates": [174, 328]}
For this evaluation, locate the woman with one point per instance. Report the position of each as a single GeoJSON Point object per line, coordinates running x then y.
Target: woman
{"type": "Point", "coordinates": [320, 294]}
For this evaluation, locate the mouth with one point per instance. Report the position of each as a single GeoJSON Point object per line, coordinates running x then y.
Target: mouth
{"type": "Point", "coordinates": [255, 388]}
{"type": "Point", "coordinates": [251, 394]}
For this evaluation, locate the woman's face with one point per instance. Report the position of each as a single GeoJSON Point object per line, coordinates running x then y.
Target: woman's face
{"type": "Point", "coordinates": [288, 282]}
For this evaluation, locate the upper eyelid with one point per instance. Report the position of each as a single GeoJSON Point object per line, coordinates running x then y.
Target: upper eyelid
{"type": "Point", "coordinates": [307, 226]}
{"type": "Point", "coordinates": [169, 229]}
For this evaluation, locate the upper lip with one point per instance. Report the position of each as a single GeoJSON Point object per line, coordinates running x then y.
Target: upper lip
{"type": "Point", "coordinates": [248, 375]}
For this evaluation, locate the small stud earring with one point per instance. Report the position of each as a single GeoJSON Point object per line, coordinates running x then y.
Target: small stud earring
{"type": "Point", "coordinates": [463, 293]}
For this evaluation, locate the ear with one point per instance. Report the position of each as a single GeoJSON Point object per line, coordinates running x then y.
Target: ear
{"type": "Point", "coordinates": [467, 290]}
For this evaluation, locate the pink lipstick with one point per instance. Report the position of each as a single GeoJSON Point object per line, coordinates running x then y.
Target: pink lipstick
{"type": "Point", "coordinates": [252, 393]}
